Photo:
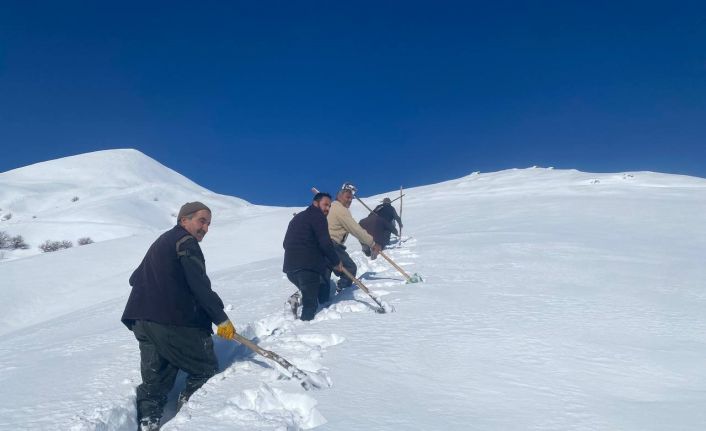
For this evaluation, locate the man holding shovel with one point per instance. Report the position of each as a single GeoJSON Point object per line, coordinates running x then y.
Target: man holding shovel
{"type": "Point", "coordinates": [170, 310]}
{"type": "Point", "coordinates": [379, 223]}
{"type": "Point", "coordinates": [388, 212]}
{"type": "Point", "coordinates": [340, 224]}
{"type": "Point", "coordinates": [309, 253]}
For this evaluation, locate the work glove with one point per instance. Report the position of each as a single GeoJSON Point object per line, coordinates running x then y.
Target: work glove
{"type": "Point", "coordinates": [226, 330]}
{"type": "Point", "coordinates": [339, 268]}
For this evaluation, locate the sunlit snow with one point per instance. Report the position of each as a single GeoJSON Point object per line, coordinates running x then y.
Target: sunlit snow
{"type": "Point", "coordinates": [553, 300]}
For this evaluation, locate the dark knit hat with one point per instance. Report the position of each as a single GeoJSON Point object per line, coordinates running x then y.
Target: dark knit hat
{"type": "Point", "coordinates": [190, 208]}
{"type": "Point", "coordinates": [386, 201]}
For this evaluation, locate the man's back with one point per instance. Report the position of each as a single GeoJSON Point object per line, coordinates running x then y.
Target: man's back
{"type": "Point", "coordinates": [160, 290]}
{"type": "Point", "coordinates": [341, 223]}
{"type": "Point", "coordinates": [307, 244]}
{"type": "Point", "coordinates": [387, 212]}
{"type": "Point", "coordinates": [379, 228]}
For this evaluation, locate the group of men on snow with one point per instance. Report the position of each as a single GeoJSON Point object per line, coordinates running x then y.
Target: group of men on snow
{"type": "Point", "coordinates": [171, 307]}
{"type": "Point", "coordinates": [314, 245]}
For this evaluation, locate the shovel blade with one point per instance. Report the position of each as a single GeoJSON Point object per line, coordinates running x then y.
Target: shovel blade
{"type": "Point", "coordinates": [314, 381]}
{"type": "Point", "coordinates": [416, 278]}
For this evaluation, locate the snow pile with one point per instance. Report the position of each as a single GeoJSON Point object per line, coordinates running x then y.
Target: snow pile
{"type": "Point", "coordinates": [553, 300]}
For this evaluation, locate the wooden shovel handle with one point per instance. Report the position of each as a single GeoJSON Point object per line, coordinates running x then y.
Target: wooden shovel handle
{"type": "Point", "coordinates": [364, 289]}
{"type": "Point", "coordinates": [356, 281]}
{"type": "Point", "coordinates": [396, 266]}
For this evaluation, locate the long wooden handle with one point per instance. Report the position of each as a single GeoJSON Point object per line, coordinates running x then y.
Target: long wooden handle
{"type": "Point", "coordinates": [355, 280]}
{"type": "Point", "coordinates": [397, 267]}
{"type": "Point", "coordinates": [359, 200]}
{"type": "Point", "coordinates": [362, 286]}
{"type": "Point", "coordinates": [397, 198]}
{"type": "Point", "coordinates": [296, 372]}
{"type": "Point", "coordinates": [249, 344]}
{"type": "Point", "coordinates": [401, 195]}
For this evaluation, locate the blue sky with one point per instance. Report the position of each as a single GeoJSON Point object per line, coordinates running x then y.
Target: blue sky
{"type": "Point", "coordinates": [262, 100]}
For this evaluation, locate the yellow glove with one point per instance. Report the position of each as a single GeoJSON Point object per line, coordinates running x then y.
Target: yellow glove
{"type": "Point", "coordinates": [226, 330]}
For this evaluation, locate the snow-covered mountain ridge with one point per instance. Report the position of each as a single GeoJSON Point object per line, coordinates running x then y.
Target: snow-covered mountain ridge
{"type": "Point", "coordinates": [553, 300]}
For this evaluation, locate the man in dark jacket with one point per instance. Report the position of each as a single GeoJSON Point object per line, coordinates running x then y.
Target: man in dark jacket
{"type": "Point", "coordinates": [308, 253]}
{"type": "Point", "coordinates": [388, 212]}
{"type": "Point", "coordinates": [170, 310]}
{"type": "Point", "coordinates": [379, 228]}
{"type": "Point", "coordinates": [380, 224]}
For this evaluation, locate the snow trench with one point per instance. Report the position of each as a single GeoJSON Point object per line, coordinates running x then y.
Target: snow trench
{"type": "Point", "coordinates": [276, 401]}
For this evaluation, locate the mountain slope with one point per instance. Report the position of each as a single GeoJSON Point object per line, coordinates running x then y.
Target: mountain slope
{"type": "Point", "coordinates": [553, 300]}
{"type": "Point", "coordinates": [102, 195]}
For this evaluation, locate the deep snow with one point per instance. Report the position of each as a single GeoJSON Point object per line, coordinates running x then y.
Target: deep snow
{"type": "Point", "coordinates": [552, 300]}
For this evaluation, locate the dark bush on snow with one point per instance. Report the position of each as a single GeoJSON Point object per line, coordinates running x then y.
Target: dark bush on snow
{"type": "Point", "coordinates": [12, 243]}
{"type": "Point", "coordinates": [85, 241]}
{"type": "Point", "coordinates": [49, 245]}
{"type": "Point", "coordinates": [17, 242]}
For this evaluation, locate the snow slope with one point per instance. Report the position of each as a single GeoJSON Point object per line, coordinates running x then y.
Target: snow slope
{"type": "Point", "coordinates": [102, 195]}
{"type": "Point", "coordinates": [553, 300]}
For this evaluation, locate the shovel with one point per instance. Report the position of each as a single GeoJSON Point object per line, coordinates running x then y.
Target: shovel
{"type": "Point", "coordinates": [305, 380]}
{"type": "Point", "coordinates": [416, 278]}
{"type": "Point", "coordinates": [360, 284]}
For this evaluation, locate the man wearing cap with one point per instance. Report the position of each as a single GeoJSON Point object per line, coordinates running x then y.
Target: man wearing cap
{"type": "Point", "coordinates": [340, 224]}
{"type": "Point", "coordinates": [170, 311]}
{"type": "Point", "coordinates": [388, 212]}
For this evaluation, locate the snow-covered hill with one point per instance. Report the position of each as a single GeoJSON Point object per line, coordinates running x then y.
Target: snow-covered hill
{"type": "Point", "coordinates": [124, 199]}
{"type": "Point", "coordinates": [553, 300]}
{"type": "Point", "coordinates": [102, 195]}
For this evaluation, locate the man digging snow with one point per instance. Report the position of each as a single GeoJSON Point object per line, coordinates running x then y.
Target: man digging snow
{"type": "Point", "coordinates": [170, 311]}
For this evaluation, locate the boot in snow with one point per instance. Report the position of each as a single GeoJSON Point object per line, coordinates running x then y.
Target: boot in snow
{"type": "Point", "coordinates": [294, 301]}
{"type": "Point", "coordinates": [149, 424]}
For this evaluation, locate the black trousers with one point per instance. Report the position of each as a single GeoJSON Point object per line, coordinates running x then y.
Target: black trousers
{"type": "Point", "coordinates": [314, 288]}
{"type": "Point", "coordinates": [348, 263]}
{"type": "Point", "coordinates": [164, 350]}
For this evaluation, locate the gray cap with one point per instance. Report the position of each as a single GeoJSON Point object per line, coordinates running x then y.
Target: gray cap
{"type": "Point", "coordinates": [386, 201]}
{"type": "Point", "coordinates": [190, 208]}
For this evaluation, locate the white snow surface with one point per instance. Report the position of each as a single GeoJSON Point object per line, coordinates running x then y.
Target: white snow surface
{"type": "Point", "coordinates": [552, 300]}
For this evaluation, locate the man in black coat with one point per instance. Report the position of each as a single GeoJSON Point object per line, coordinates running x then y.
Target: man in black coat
{"type": "Point", "coordinates": [380, 224]}
{"type": "Point", "coordinates": [379, 228]}
{"type": "Point", "coordinates": [309, 252]}
{"type": "Point", "coordinates": [388, 212]}
{"type": "Point", "coordinates": [170, 310]}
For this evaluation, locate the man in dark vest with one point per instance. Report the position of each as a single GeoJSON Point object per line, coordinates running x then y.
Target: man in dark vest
{"type": "Point", "coordinates": [309, 253]}
{"type": "Point", "coordinates": [170, 310]}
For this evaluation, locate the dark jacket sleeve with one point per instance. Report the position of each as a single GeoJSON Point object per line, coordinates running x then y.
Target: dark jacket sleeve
{"type": "Point", "coordinates": [191, 260]}
{"type": "Point", "coordinates": [320, 226]}
{"type": "Point", "coordinates": [396, 217]}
